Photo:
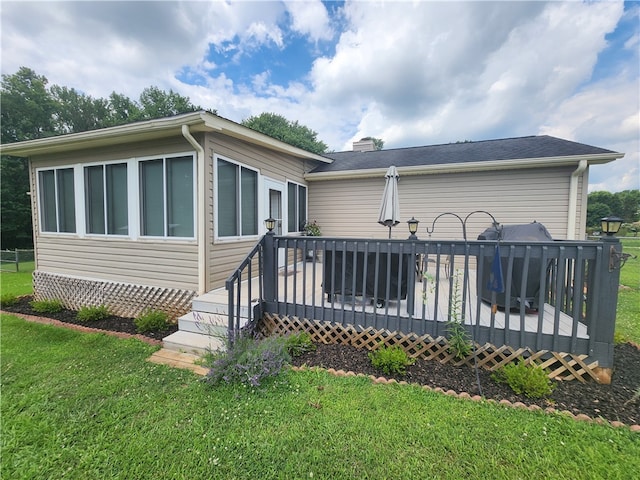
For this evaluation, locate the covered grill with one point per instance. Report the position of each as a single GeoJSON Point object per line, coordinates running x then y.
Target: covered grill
{"type": "Point", "coordinates": [531, 232]}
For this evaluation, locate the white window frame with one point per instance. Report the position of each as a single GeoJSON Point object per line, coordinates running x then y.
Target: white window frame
{"type": "Point", "coordinates": [306, 209]}
{"type": "Point", "coordinates": [40, 201]}
{"type": "Point", "coordinates": [138, 194]}
{"type": "Point", "coordinates": [259, 194]}
{"type": "Point", "coordinates": [83, 198]}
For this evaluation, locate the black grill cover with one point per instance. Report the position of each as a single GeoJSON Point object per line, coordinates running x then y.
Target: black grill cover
{"type": "Point", "coordinates": [530, 232]}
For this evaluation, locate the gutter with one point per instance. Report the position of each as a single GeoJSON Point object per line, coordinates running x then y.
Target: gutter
{"type": "Point", "coordinates": [573, 199]}
{"type": "Point", "coordinates": [201, 216]}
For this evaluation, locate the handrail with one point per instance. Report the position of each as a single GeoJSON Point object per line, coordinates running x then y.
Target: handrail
{"type": "Point", "coordinates": [235, 306]}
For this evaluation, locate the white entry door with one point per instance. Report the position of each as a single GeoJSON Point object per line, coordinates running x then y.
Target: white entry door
{"type": "Point", "coordinates": [274, 201]}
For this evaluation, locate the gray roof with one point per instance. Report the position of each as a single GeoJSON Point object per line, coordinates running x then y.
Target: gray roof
{"type": "Point", "coordinates": [542, 146]}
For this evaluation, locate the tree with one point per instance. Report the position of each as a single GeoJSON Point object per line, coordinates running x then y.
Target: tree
{"type": "Point", "coordinates": [26, 107]}
{"type": "Point", "coordinates": [77, 112]}
{"type": "Point", "coordinates": [293, 133]}
{"type": "Point", "coordinates": [156, 103]}
{"type": "Point", "coordinates": [596, 211]}
{"type": "Point", "coordinates": [630, 203]}
{"type": "Point", "coordinates": [123, 110]}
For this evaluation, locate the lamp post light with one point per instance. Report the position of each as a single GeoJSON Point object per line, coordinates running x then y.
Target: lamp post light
{"type": "Point", "coordinates": [413, 228]}
{"type": "Point", "coordinates": [610, 225]}
{"type": "Point", "coordinates": [270, 223]}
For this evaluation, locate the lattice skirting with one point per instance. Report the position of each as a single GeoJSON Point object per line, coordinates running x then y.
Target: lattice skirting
{"type": "Point", "coordinates": [562, 366]}
{"type": "Point", "coordinates": [122, 299]}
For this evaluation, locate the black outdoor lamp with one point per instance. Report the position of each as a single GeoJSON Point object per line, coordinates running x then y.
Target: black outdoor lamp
{"type": "Point", "coordinates": [413, 228]}
{"type": "Point", "coordinates": [611, 225]}
{"type": "Point", "coordinates": [270, 223]}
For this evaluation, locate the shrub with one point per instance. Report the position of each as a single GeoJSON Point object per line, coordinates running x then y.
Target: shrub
{"type": "Point", "coordinates": [391, 360]}
{"type": "Point", "coordinates": [8, 299]}
{"type": "Point", "coordinates": [47, 306]}
{"type": "Point", "coordinates": [249, 360]}
{"type": "Point", "coordinates": [525, 379]}
{"type": "Point", "coordinates": [299, 343]}
{"type": "Point", "coordinates": [93, 314]}
{"type": "Point", "coordinates": [152, 320]}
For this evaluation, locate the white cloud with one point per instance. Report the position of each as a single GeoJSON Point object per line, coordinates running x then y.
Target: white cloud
{"type": "Point", "coordinates": [411, 73]}
{"type": "Point", "coordinates": [310, 18]}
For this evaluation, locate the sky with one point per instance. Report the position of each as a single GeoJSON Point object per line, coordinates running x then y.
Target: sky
{"type": "Point", "coordinates": [409, 73]}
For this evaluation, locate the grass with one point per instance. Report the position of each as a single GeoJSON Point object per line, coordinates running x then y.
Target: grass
{"type": "Point", "coordinates": [628, 310]}
{"type": "Point", "coordinates": [90, 406]}
{"type": "Point", "coordinates": [17, 283]}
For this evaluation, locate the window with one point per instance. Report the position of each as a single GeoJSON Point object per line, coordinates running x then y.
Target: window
{"type": "Point", "coordinates": [237, 200]}
{"type": "Point", "coordinates": [167, 197]}
{"type": "Point", "coordinates": [57, 200]}
{"type": "Point", "coordinates": [297, 207]}
{"type": "Point", "coordinates": [106, 204]}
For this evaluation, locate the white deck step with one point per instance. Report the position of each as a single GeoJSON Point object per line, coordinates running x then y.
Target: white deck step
{"type": "Point", "coordinates": [212, 324]}
{"type": "Point", "coordinates": [189, 342]}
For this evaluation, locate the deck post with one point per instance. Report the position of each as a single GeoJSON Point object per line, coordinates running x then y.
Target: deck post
{"type": "Point", "coordinates": [608, 276]}
{"type": "Point", "coordinates": [269, 273]}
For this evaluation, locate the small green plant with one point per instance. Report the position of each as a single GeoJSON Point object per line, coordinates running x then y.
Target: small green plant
{"type": "Point", "coordinates": [93, 313]}
{"type": "Point", "coordinates": [312, 229]}
{"type": "Point", "coordinates": [8, 299]}
{"type": "Point", "coordinates": [459, 342]}
{"type": "Point", "coordinates": [529, 380]}
{"type": "Point", "coordinates": [299, 343]}
{"type": "Point", "coordinates": [152, 320]}
{"type": "Point", "coordinates": [391, 360]}
{"type": "Point", "coordinates": [47, 306]}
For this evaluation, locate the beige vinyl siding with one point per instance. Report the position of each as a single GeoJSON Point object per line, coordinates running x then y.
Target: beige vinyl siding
{"type": "Point", "coordinates": [350, 207]}
{"type": "Point", "coordinates": [161, 264]}
{"type": "Point", "coordinates": [225, 255]}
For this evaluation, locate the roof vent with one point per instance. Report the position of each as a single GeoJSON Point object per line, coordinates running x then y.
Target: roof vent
{"type": "Point", "coordinates": [364, 145]}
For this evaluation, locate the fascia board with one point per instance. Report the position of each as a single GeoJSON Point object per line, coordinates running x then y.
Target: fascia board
{"type": "Point", "coordinates": [491, 165]}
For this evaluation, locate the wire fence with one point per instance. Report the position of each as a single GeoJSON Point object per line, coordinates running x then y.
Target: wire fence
{"type": "Point", "coordinates": [16, 260]}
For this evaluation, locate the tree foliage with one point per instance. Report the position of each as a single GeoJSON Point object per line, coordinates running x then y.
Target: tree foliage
{"type": "Point", "coordinates": [625, 204]}
{"type": "Point", "coordinates": [293, 133]}
{"type": "Point", "coordinates": [30, 109]}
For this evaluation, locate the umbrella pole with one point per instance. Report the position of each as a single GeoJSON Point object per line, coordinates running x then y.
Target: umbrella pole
{"type": "Point", "coordinates": [389, 232]}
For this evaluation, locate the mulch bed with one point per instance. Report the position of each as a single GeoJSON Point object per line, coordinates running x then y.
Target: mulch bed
{"type": "Point", "coordinates": [614, 402]}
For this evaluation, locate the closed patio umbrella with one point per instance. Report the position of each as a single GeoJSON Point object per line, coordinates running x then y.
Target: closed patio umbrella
{"type": "Point", "coordinates": [389, 215]}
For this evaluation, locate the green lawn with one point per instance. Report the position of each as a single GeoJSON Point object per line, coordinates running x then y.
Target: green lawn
{"type": "Point", "coordinates": [86, 406]}
{"type": "Point", "coordinates": [628, 310]}
{"type": "Point", "coordinates": [17, 283]}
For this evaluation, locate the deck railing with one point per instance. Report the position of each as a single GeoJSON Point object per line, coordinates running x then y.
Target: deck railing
{"type": "Point", "coordinates": [558, 295]}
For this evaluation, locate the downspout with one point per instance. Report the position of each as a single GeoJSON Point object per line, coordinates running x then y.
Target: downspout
{"type": "Point", "coordinates": [201, 215]}
{"type": "Point", "coordinates": [573, 199]}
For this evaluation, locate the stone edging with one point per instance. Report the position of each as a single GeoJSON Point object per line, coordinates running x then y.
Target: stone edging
{"type": "Point", "coordinates": [476, 398]}
{"type": "Point", "coordinates": [81, 328]}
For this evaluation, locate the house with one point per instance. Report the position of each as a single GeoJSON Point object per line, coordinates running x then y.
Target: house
{"type": "Point", "coordinates": [154, 213]}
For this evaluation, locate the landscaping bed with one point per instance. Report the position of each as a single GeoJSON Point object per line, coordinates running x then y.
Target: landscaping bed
{"type": "Point", "coordinates": [112, 323]}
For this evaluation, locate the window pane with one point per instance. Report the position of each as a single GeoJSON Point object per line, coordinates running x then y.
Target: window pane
{"type": "Point", "coordinates": [249, 202]}
{"type": "Point", "coordinates": [48, 220]}
{"type": "Point", "coordinates": [94, 198]}
{"type": "Point", "coordinates": [66, 201]}
{"type": "Point", "coordinates": [291, 208]}
{"type": "Point", "coordinates": [117, 202]}
{"type": "Point", "coordinates": [180, 196]}
{"type": "Point", "coordinates": [227, 199]}
{"type": "Point", "coordinates": [152, 198]}
{"type": "Point", "coordinates": [302, 207]}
